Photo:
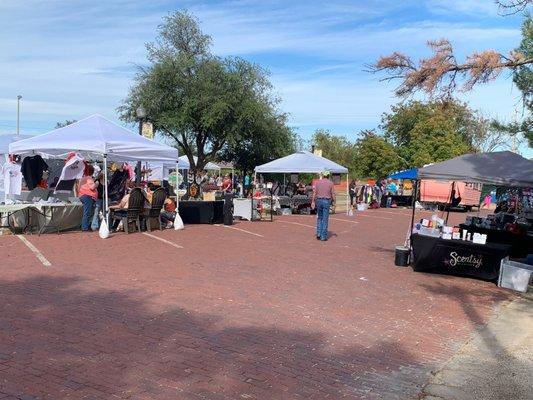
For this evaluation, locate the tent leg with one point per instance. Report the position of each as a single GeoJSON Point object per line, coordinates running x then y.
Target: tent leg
{"type": "Point", "coordinates": [415, 195]}
{"type": "Point", "coordinates": [177, 188]}
{"type": "Point", "coordinates": [348, 205]}
{"type": "Point", "coordinates": [452, 196]}
{"type": "Point", "coordinates": [106, 199]}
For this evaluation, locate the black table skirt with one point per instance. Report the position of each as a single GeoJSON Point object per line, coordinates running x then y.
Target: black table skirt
{"type": "Point", "coordinates": [521, 245]}
{"type": "Point", "coordinates": [201, 212]}
{"type": "Point", "coordinates": [457, 257]}
{"type": "Point", "coordinates": [400, 200]}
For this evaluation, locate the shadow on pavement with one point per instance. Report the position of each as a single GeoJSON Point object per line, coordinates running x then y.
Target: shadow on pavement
{"type": "Point", "coordinates": [61, 339]}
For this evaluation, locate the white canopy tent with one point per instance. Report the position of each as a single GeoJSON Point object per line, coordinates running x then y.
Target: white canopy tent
{"type": "Point", "coordinates": [184, 164]}
{"type": "Point", "coordinates": [7, 139]}
{"type": "Point", "coordinates": [303, 162]}
{"type": "Point", "coordinates": [98, 138]}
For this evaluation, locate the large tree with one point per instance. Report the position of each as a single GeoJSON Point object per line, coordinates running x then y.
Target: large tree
{"type": "Point", "coordinates": [430, 132]}
{"type": "Point", "coordinates": [336, 148]}
{"type": "Point", "coordinates": [201, 102]}
{"type": "Point", "coordinates": [375, 156]}
{"type": "Point", "coordinates": [271, 138]}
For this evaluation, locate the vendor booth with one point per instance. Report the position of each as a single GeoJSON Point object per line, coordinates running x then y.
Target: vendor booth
{"type": "Point", "coordinates": [96, 138]}
{"type": "Point", "coordinates": [476, 247]}
{"type": "Point", "coordinates": [404, 194]}
{"type": "Point", "coordinates": [298, 163]}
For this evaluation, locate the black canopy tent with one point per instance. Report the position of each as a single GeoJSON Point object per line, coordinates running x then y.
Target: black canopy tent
{"type": "Point", "coordinates": [503, 168]}
{"type": "Point", "coordinates": [433, 254]}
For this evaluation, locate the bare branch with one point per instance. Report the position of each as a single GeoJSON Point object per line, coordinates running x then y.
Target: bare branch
{"type": "Point", "coordinates": [440, 74]}
{"type": "Point", "coordinates": [510, 7]}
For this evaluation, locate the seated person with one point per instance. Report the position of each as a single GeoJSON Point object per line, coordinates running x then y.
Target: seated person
{"type": "Point", "coordinates": [168, 214]}
{"type": "Point", "coordinates": [123, 204]}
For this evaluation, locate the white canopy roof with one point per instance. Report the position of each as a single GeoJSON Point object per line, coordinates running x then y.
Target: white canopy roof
{"type": "Point", "coordinates": [96, 135]}
{"type": "Point", "coordinates": [301, 162]}
{"type": "Point", "coordinates": [8, 138]}
{"type": "Point", "coordinates": [184, 164]}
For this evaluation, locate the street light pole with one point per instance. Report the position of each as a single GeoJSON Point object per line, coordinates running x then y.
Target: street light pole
{"type": "Point", "coordinates": [141, 114]}
{"type": "Point", "coordinates": [18, 113]}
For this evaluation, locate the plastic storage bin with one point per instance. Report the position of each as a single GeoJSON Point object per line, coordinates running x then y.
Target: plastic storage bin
{"type": "Point", "coordinates": [515, 275]}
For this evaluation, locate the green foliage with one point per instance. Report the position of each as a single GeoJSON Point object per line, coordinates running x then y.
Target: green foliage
{"type": "Point", "coordinates": [336, 148]}
{"type": "Point", "coordinates": [430, 132]}
{"type": "Point", "coordinates": [375, 156]}
{"type": "Point", "coordinates": [65, 123]}
{"type": "Point", "coordinates": [523, 78]}
{"type": "Point", "coordinates": [205, 104]}
{"type": "Point", "coordinates": [271, 139]}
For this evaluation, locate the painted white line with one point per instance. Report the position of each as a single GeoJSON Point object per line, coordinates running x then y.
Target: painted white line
{"type": "Point", "coordinates": [296, 223]}
{"type": "Point", "coordinates": [163, 240]}
{"type": "Point", "coordinates": [360, 214]}
{"type": "Point", "coordinates": [240, 230]}
{"type": "Point", "coordinates": [35, 251]}
{"type": "Point", "coordinates": [344, 220]}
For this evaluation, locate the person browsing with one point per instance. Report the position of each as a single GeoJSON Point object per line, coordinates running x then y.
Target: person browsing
{"type": "Point", "coordinates": [323, 198]}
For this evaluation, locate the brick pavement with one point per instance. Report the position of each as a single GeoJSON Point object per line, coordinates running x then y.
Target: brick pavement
{"type": "Point", "coordinates": [230, 315]}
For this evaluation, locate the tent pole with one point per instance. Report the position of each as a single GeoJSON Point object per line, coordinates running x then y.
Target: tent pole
{"type": "Point", "coordinates": [415, 195]}
{"type": "Point", "coordinates": [348, 204]}
{"type": "Point", "coordinates": [452, 195]}
{"type": "Point", "coordinates": [177, 187]}
{"type": "Point", "coordinates": [106, 199]}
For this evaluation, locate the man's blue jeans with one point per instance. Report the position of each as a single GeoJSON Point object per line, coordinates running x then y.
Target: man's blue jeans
{"type": "Point", "coordinates": [322, 212]}
{"type": "Point", "coordinates": [88, 206]}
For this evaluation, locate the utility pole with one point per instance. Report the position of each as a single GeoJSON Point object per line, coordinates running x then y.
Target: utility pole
{"type": "Point", "coordinates": [18, 113]}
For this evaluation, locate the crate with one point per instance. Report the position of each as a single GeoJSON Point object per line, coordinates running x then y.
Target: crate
{"type": "Point", "coordinates": [515, 275]}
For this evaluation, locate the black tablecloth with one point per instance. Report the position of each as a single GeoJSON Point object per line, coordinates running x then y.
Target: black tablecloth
{"type": "Point", "coordinates": [400, 200]}
{"type": "Point", "coordinates": [201, 212]}
{"type": "Point", "coordinates": [521, 245]}
{"type": "Point", "coordinates": [457, 257]}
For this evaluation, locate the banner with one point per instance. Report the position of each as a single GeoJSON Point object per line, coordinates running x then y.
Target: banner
{"type": "Point", "coordinates": [147, 130]}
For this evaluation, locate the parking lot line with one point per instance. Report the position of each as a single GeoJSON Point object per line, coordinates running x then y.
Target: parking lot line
{"type": "Point", "coordinates": [343, 220]}
{"type": "Point", "coordinates": [163, 240]}
{"type": "Point", "coordinates": [241, 230]}
{"type": "Point", "coordinates": [296, 223]}
{"type": "Point", "coordinates": [35, 251]}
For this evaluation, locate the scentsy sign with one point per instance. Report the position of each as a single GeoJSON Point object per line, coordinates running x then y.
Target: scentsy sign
{"type": "Point", "coordinates": [456, 260]}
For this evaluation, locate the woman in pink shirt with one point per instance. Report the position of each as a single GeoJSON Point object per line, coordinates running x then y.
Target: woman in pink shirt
{"type": "Point", "coordinates": [88, 195]}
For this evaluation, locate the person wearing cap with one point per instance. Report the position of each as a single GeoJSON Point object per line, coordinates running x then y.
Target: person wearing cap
{"type": "Point", "coordinates": [323, 198]}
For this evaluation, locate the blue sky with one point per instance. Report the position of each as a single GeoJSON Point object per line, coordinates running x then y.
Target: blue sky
{"type": "Point", "coordinates": [72, 58]}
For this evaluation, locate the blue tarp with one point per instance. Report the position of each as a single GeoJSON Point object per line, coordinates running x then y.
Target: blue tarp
{"type": "Point", "coordinates": [406, 174]}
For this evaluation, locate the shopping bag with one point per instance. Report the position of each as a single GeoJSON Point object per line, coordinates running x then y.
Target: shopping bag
{"type": "Point", "coordinates": [178, 223]}
{"type": "Point", "coordinates": [350, 212]}
{"type": "Point", "coordinates": [103, 232]}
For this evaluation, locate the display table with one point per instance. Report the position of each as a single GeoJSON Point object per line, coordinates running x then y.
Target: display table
{"type": "Point", "coordinates": [457, 257]}
{"type": "Point", "coordinates": [399, 200]}
{"type": "Point", "coordinates": [202, 212]}
{"type": "Point", "coordinates": [521, 245]}
{"type": "Point", "coordinates": [53, 217]}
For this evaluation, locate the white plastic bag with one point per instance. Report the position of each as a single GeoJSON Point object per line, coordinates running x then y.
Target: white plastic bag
{"type": "Point", "coordinates": [350, 212]}
{"type": "Point", "coordinates": [103, 232]}
{"type": "Point", "coordinates": [178, 222]}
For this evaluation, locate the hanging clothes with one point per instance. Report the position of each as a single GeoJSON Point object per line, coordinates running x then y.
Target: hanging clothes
{"type": "Point", "coordinates": [32, 170]}
{"type": "Point", "coordinates": [12, 179]}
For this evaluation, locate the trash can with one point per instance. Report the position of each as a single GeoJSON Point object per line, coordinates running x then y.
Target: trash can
{"type": "Point", "coordinates": [228, 209]}
{"type": "Point", "coordinates": [401, 258]}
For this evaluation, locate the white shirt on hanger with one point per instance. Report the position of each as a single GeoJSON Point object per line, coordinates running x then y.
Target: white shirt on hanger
{"type": "Point", "coordinates": [12, 179]}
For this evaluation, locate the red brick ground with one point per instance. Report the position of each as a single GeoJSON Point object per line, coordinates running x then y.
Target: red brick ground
{"type": "Point", "coordinates": [230, 315]}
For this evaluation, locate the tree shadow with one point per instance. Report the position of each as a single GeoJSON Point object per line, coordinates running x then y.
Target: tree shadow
{"type": "Point", "coordinates": [60, 338]}
{"type": "Point", "coordinates": [467, 299]}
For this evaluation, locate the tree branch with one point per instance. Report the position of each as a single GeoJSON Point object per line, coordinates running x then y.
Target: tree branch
{"type": "Point", "coordinates": [440, 73]}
